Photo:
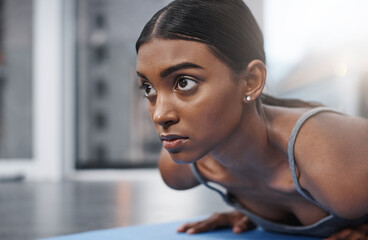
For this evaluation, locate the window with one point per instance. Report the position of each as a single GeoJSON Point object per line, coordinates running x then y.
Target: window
{"type": "Point", "coordinates": [113, 126]}
{"type": "Point", "coordinates": [16, 102]}
{"type": "Point", "coordinates": [317, 50]}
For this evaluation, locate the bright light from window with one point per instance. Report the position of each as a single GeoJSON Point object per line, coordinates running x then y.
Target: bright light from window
{"type": "Point", "coordinates": [293, 29]}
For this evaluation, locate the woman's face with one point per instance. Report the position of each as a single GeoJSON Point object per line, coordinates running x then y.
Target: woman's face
{"type": "Point", "coordinates": [194, 99]}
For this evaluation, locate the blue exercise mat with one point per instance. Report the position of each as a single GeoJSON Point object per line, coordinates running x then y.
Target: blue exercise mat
{"type": "Point", "coordinates": [168, 231]}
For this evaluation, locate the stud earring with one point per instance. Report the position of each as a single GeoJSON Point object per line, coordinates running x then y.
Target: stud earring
{"type": "Point", "coordinates": [248, 98]}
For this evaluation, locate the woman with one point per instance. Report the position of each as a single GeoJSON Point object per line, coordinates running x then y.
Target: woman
{"type": "Point", "coordinates": [287, 165]}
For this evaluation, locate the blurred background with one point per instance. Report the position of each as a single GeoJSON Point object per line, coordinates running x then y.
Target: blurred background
{"type": "Point", "coordinates": [70, 108]}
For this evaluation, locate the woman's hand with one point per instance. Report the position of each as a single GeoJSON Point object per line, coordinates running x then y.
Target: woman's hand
{"type": "Point", "coordinates": [360, 232]}
{"type": "Point", "coordinates": [237, 220]}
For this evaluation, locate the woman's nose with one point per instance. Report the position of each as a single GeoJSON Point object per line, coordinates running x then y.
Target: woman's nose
{"type": "Point", "coordinates": [164, 113]}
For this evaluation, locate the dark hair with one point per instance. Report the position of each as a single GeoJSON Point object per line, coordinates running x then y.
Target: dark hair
{"type": "Point", "coordinates": [227, 27]}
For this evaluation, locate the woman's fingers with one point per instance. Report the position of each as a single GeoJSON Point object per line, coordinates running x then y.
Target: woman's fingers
{"type": "Point", "coordinates": [182, 228]}
{"type": "Point", "coordinates": [189, 227]}
{"type": "Point", "coordinates": [243, 225]}
{"type": "Point", "coordinates": [215, 221]}
{"type": "Point", "coordinates": [197, 227]}
{"type": "Point", "coordinates": [340, 235]}
{"type": "Point", "coordinates": [202, 227]}
{"type": "Point", "coordinates": [358, 233]}
{"type": "Point", "coordinates": [238, 221]}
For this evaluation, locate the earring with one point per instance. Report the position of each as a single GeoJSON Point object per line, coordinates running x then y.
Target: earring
{"type": "Point", "coordinates": [248, 98]}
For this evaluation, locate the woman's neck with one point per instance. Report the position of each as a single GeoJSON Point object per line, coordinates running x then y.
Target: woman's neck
{"type": "Point", "coordinates": [249, 148]}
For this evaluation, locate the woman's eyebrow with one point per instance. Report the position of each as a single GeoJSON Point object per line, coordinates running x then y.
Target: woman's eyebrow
{"type": "Point", "coordinates": [177, 67]}
{"type": "Point", "coordinates": [141, 75]}
{"type": "Point", "coordinates": [168, 71]}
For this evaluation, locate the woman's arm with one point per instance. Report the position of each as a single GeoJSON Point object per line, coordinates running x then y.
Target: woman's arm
{"type": "Point", "coordinates": [176, 176]}
{"type": "Point", "coordinates": [180, 177]}
{"type": "Point", "coordinates": [332, 157]}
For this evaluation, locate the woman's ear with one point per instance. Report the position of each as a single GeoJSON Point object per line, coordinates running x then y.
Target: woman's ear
{"type": "Point", "coordinates": [254, 80]}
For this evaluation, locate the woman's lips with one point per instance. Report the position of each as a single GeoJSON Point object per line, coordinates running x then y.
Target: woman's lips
{"type": "Point", "coordinates": [171, 142]}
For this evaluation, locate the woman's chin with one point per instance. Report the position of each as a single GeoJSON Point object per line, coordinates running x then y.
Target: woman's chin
{"type": "Point", "coordinates": [183, 158]}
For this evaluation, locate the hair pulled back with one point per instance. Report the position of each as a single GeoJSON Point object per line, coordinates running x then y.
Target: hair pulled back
{"type": "Point", "coordinates": [227, 27]}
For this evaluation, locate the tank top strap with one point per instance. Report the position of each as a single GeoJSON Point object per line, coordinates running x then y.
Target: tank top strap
{"type": "Point", "coordinates": [226, 197]}
{"type": "Point", "coordinates": [291, 145]}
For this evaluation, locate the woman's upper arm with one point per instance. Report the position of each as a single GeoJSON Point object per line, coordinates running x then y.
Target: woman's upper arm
{"type": "Point", "coordinates": [176, 176]}
{"type": "Point", "coordinates": [333, 164]}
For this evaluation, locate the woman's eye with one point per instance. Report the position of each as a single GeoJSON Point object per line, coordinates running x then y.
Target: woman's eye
{"type": "Point", "coordinates": [148, 89]}
{"type": "Point", "coordinates": [185, 84]}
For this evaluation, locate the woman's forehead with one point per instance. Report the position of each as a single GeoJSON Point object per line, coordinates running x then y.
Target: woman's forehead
{"type": "Point", "coordinates": [171, 52]}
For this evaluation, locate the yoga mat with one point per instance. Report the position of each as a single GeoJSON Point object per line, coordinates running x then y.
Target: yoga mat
{"type": "Point", "coordinates": [168, 231]}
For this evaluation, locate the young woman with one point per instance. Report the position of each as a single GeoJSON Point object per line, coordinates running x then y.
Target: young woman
{"type": "Point", "coordinates": [287, 165]}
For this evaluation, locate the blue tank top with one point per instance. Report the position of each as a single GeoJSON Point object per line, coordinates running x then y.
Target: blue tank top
{"type": "Point", "coordinates": [323, 228]}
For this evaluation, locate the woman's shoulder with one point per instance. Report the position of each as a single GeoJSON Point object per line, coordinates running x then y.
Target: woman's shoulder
{"type": "Point", "coordinates": [325, 129]}
{"type": "Point", "coordinates": [332, 158]}
{"type": "Point", "coordinates": [335, 137]}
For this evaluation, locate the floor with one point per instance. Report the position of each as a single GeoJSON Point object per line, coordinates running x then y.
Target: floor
{"type": "Point", "coordinates": [32, 210]}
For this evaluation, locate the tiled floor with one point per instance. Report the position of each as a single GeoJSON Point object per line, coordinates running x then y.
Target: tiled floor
{"type": "Point", "coordinates": [31, 210]}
